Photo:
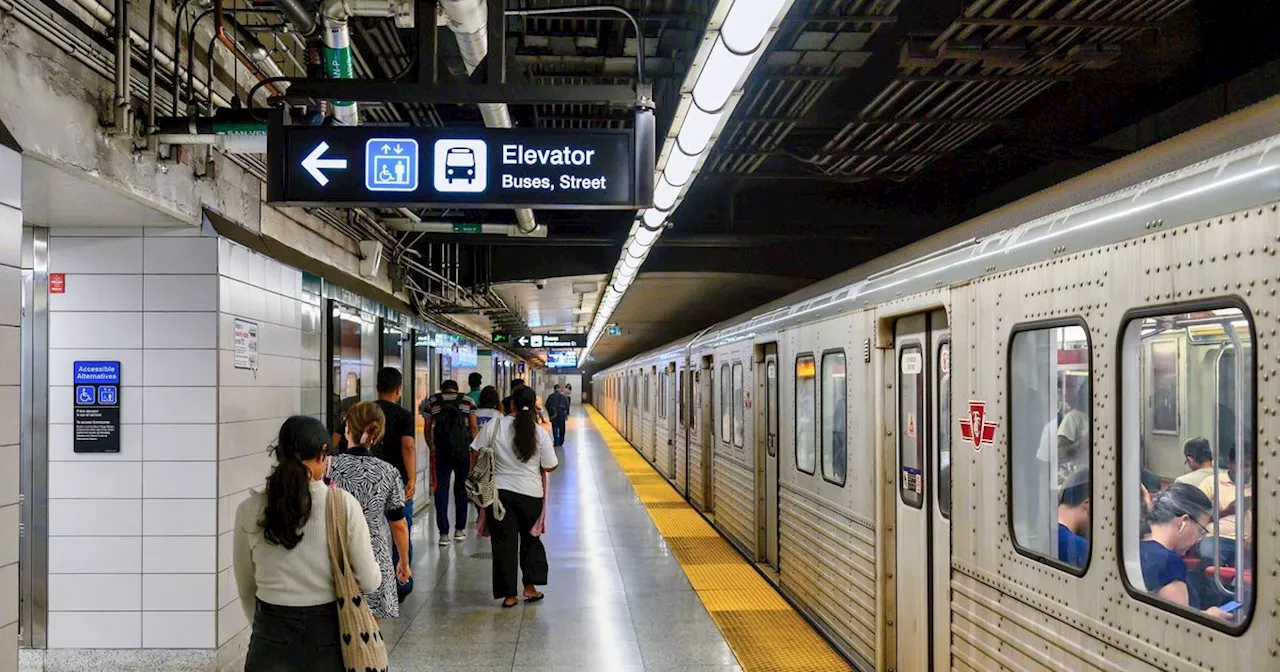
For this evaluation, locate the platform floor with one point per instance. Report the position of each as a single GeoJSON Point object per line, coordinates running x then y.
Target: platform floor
{"type": "Point", "coordinates": [617, 599]}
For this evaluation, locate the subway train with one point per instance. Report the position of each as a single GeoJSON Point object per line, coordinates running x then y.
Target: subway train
{"type": "Point", "coordinates": [1044, 439]}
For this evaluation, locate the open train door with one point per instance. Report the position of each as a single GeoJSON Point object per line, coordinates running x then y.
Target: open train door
{"type": "Point", "coordinates": [921, 412]}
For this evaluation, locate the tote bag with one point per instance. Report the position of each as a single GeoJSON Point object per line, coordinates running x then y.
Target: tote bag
{"type": "Point", "coordinates": [362, 647]}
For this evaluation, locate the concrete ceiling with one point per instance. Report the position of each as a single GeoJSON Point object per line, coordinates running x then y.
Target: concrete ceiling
{"type": "Point", "coordinates": [55, 197]}
{"type": "Point", "coordinates": [562, 304]}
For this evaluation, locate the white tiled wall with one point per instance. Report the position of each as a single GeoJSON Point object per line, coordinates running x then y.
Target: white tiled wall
{"type": "Point", "coordinates": [133, 536]}
{"type": "Point", "coordinates": [253, 403]}
{"type": "Point", "coordinates": [10, 366]}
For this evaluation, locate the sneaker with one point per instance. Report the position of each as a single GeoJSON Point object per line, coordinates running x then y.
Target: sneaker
{"type": "Point", "coordinates": [444, 539]}
{"type": "Point", "coordinates": [460, 535]}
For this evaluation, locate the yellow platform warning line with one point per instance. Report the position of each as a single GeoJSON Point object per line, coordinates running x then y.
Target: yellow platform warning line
{"type": "Point", "coordinates": [765, 633]}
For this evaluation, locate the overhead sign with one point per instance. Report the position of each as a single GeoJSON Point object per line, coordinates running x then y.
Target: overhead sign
{"type": "Point", "coordinates": [447, 167]}
{"type": "Point", "coordinates": [615, 330]}
{"type": "Point", "coordinates": [552, 341]}
{"type": "Point", "coordinates": [500, 337]}
{"type": "Point", "coordinates": [96, 388]}
{"type": "Point", "coordinates": [562, 359]}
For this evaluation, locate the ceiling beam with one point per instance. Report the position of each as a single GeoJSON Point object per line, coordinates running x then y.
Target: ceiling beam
{"type": "Point", "coordinates": [1103, 24]}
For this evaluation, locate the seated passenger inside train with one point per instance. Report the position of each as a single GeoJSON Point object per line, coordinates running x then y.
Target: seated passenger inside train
{"type": "Point", "coordinates": [1198, 455]}
{"type": "Point", "coordinates": [1073, 520]}
{"type": "Point", "coordinates": [1178, 519]}
{"type": "Point", "coordinates": [1225, 541]}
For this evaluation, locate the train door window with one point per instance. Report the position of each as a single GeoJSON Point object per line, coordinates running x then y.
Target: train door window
{"type": "Point", "coordinates": [726, 404]}
{"type": "Point", "coordinates": [345, 384]}
{"type": "Point", "coordinates": [739, 407]}
{"type": "Point", "coordinates": [683, 411]}
{"type": "Point", "coordinates": [806, 410]}
{"type": "Point", "coordinates": [1187, 461]}
{"type": "Point", "coordinates": [834, 424]}
{"type": "Point", "coordinates": [911, 425]}
{"type": "Point", "coordinates": [1050, 433]}
{"type": "Point", "coordinates": [944, 428]}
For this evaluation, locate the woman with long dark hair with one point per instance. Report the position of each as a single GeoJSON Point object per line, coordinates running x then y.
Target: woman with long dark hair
{"type": "Point", "coordinates": [522, 451]}
{"type": "Point", "coordinates": [490, 406]}
{"type": "Point", "coordinates": [377, 486]}
{"type": "Point", "coordinates": [281, 557]}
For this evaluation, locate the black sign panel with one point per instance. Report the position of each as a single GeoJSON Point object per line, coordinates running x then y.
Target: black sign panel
{"type": "Point", "coordinates": [460, 166]}
{"type": "Point", "coordinates": [96, 402]}
{"type": "Point", "coordinates": [551, 341]}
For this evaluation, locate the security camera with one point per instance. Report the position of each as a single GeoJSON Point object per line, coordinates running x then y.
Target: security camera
{"type": "Point", "coordinates": [540, 283]}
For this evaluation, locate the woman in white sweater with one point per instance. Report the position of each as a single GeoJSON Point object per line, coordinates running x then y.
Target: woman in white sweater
{"type": "Point", "coordinates": [282, 557]}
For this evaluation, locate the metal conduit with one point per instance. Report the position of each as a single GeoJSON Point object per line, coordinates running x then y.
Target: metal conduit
{"type": "Point", "coordinates": [469, 20]}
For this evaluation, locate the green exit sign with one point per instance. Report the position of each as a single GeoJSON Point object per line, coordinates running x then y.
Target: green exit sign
{"type": "Point", "coordinates": [501, 337]}
{"type": "Point", "coordinates": [615, 330]}
{"type": "Point", "coordinates": [466, 227]}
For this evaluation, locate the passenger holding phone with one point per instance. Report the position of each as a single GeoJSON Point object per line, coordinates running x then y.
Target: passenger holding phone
{"type": "Point", "coordinates": [1178, 518]}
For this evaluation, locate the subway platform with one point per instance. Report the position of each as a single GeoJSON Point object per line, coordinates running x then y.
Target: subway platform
{"type": "Point", "coordinates": [618, 597]}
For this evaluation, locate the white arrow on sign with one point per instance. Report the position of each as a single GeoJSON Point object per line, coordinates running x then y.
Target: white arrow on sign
{"type": "Point", "coordinates": [522, 341]}
{"type": "Point", "coordinates": [314, 164]}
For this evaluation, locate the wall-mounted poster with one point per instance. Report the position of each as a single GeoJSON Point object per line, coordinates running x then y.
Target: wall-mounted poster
{"type": "Point", "coordinates": [1164, 383]}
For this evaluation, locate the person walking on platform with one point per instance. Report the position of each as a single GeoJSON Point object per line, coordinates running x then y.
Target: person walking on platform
{"type": "Point", "coordinates": [508, 404]}
{"type": "Point", "coordinates": [377, 486]}
{"type": "Point", "coordinates": [489, 409]}
{"type": "Point", "coordinates": [522, 452]}
{"type": "Point", "coordinates": [450, 428]}
{"type": "Point", "coordinates": [280, 557]}
{"type": "Point", "coordinates": [475, 381]}
{"type": "Point", "coordinates": [558, 409]}
{"type": "Point", "coordinates": [399, 449]}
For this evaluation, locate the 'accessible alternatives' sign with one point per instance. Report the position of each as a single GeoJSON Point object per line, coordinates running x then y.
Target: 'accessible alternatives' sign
{"type": "Point", "coordinates": [471, 167]}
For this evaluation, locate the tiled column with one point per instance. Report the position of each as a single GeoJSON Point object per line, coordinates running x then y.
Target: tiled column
{"type": "Point", "coordinates": [10, 372]}
{"type": "Point", "coordinates": [252, 404]}
{"type": "Point", "coordinates": [132, 548]}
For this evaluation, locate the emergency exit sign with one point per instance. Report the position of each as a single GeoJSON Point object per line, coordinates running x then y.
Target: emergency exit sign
{"type": "Point", "coordinates": [466, 227]}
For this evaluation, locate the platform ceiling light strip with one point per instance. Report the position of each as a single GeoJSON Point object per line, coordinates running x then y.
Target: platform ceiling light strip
{"type": "Point", "coordinates": [736, 37]}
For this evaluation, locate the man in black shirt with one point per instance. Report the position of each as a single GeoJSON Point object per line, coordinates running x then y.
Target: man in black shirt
{"type": "Point", "coordinates": [398, 449]}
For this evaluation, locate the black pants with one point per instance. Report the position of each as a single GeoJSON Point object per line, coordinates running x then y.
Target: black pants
{"type": "Point", "coordinates": [294, 639]}
{"type": "Point", "coordinates": [512, 543]}
{"type": "Point", "coordinates": [557, 430]}
{"type": "Point", "coordinates": [446, 466]}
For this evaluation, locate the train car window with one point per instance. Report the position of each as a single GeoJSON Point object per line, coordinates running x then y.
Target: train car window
{"type": "Point", "coordinates": [911, 425]}
{"type": "Point", "coordinates": [725, 403]}
{"type": "Point", "coordinates": [835, 392]}
{"type": "Point", "coordinates": [662, 395]}
{"type": "Point", "coordinates": [806, 410]}
{"type": "Point", "coordinates": [944, 428]}
{"type": "Point", "coordinates": [1187, 459]}
{"type": "Point", "coordinates": [739, 407]}
{"type": "Point", "coordinates": [1050, 432]}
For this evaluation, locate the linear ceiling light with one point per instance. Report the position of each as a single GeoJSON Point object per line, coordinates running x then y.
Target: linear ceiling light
{"type": "Point", "coordinates": [728, 52]}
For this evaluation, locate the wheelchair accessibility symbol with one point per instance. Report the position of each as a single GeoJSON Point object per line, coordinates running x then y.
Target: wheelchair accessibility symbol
{"type": "Point", "coordinates": [391, 164]}
{"type": "Point", "coordinates": [85, 395]}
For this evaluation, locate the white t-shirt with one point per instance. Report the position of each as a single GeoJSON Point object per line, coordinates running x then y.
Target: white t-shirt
{"type": "Point", "coordinates": [510, 473]}
{"type": "Point", "coordinates": [484, 415]}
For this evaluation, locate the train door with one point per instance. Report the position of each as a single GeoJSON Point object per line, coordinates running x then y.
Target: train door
{"type": "Point", "coordinates": [670, 399]}
{"type": "Point", "coordinates": [922, 366]}
{"type": "Point", "coordinates": [767, 450]}
{"type": "Point", "coordinates": [709, 422]}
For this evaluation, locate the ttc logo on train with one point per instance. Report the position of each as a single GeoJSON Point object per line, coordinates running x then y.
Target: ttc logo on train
{"type": "Point", "coordinates": [976, 429]}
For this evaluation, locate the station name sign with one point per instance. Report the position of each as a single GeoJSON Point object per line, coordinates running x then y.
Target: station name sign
{"type": "Point", "coordinates": [457, 166]}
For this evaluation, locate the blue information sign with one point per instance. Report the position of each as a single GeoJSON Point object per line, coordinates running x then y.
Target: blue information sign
{"type": "Point", "coordinates": [391, 164]}
{"type": "Point", "coordinates": [97, 407]}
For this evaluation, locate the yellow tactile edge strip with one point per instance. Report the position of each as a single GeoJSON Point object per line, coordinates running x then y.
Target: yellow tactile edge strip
{"type": "Point", "coordinates": [765, 633]}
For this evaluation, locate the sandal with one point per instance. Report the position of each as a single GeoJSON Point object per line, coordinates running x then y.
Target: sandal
{"type": "Point", "coordinates": [506, 604]}
{"type": "Point", "coordinates": [534, 598]}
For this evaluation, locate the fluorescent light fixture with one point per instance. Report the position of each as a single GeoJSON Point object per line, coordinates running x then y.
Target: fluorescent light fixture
{"type": "Point", "coordinates": [696, 130]}
{"type": "Point", "coordinates": [629, 261]}
{"type": "Point", "coordinates": [664, 195]}
{"type": "Point", "coordinates": [748, 22]}
{"type": "Point", "coordinates": [679, 167]}
{"type": "Point", "coordinates": [647, 237]}
{"type": "Point", "coordinates": [654, 218]}
{"type": "Point", "coordinates": [719, 77]}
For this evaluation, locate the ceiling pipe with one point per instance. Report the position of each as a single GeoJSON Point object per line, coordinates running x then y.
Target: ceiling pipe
{"type": "Point", "coordinates": [469, 21]}
{"type": "Point", "coordinates": [298, 15]}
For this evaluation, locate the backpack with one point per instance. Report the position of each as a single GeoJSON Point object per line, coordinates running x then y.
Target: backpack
{"type": "Point", "coordinates": [452, 431]}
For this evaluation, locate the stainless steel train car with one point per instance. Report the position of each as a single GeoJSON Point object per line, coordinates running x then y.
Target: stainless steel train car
{"type": "Point", "coordinates": [1042, 440]}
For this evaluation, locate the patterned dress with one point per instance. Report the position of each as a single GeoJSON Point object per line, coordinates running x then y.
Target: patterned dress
{"type": "Point", "coordinates": [377, 486]}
